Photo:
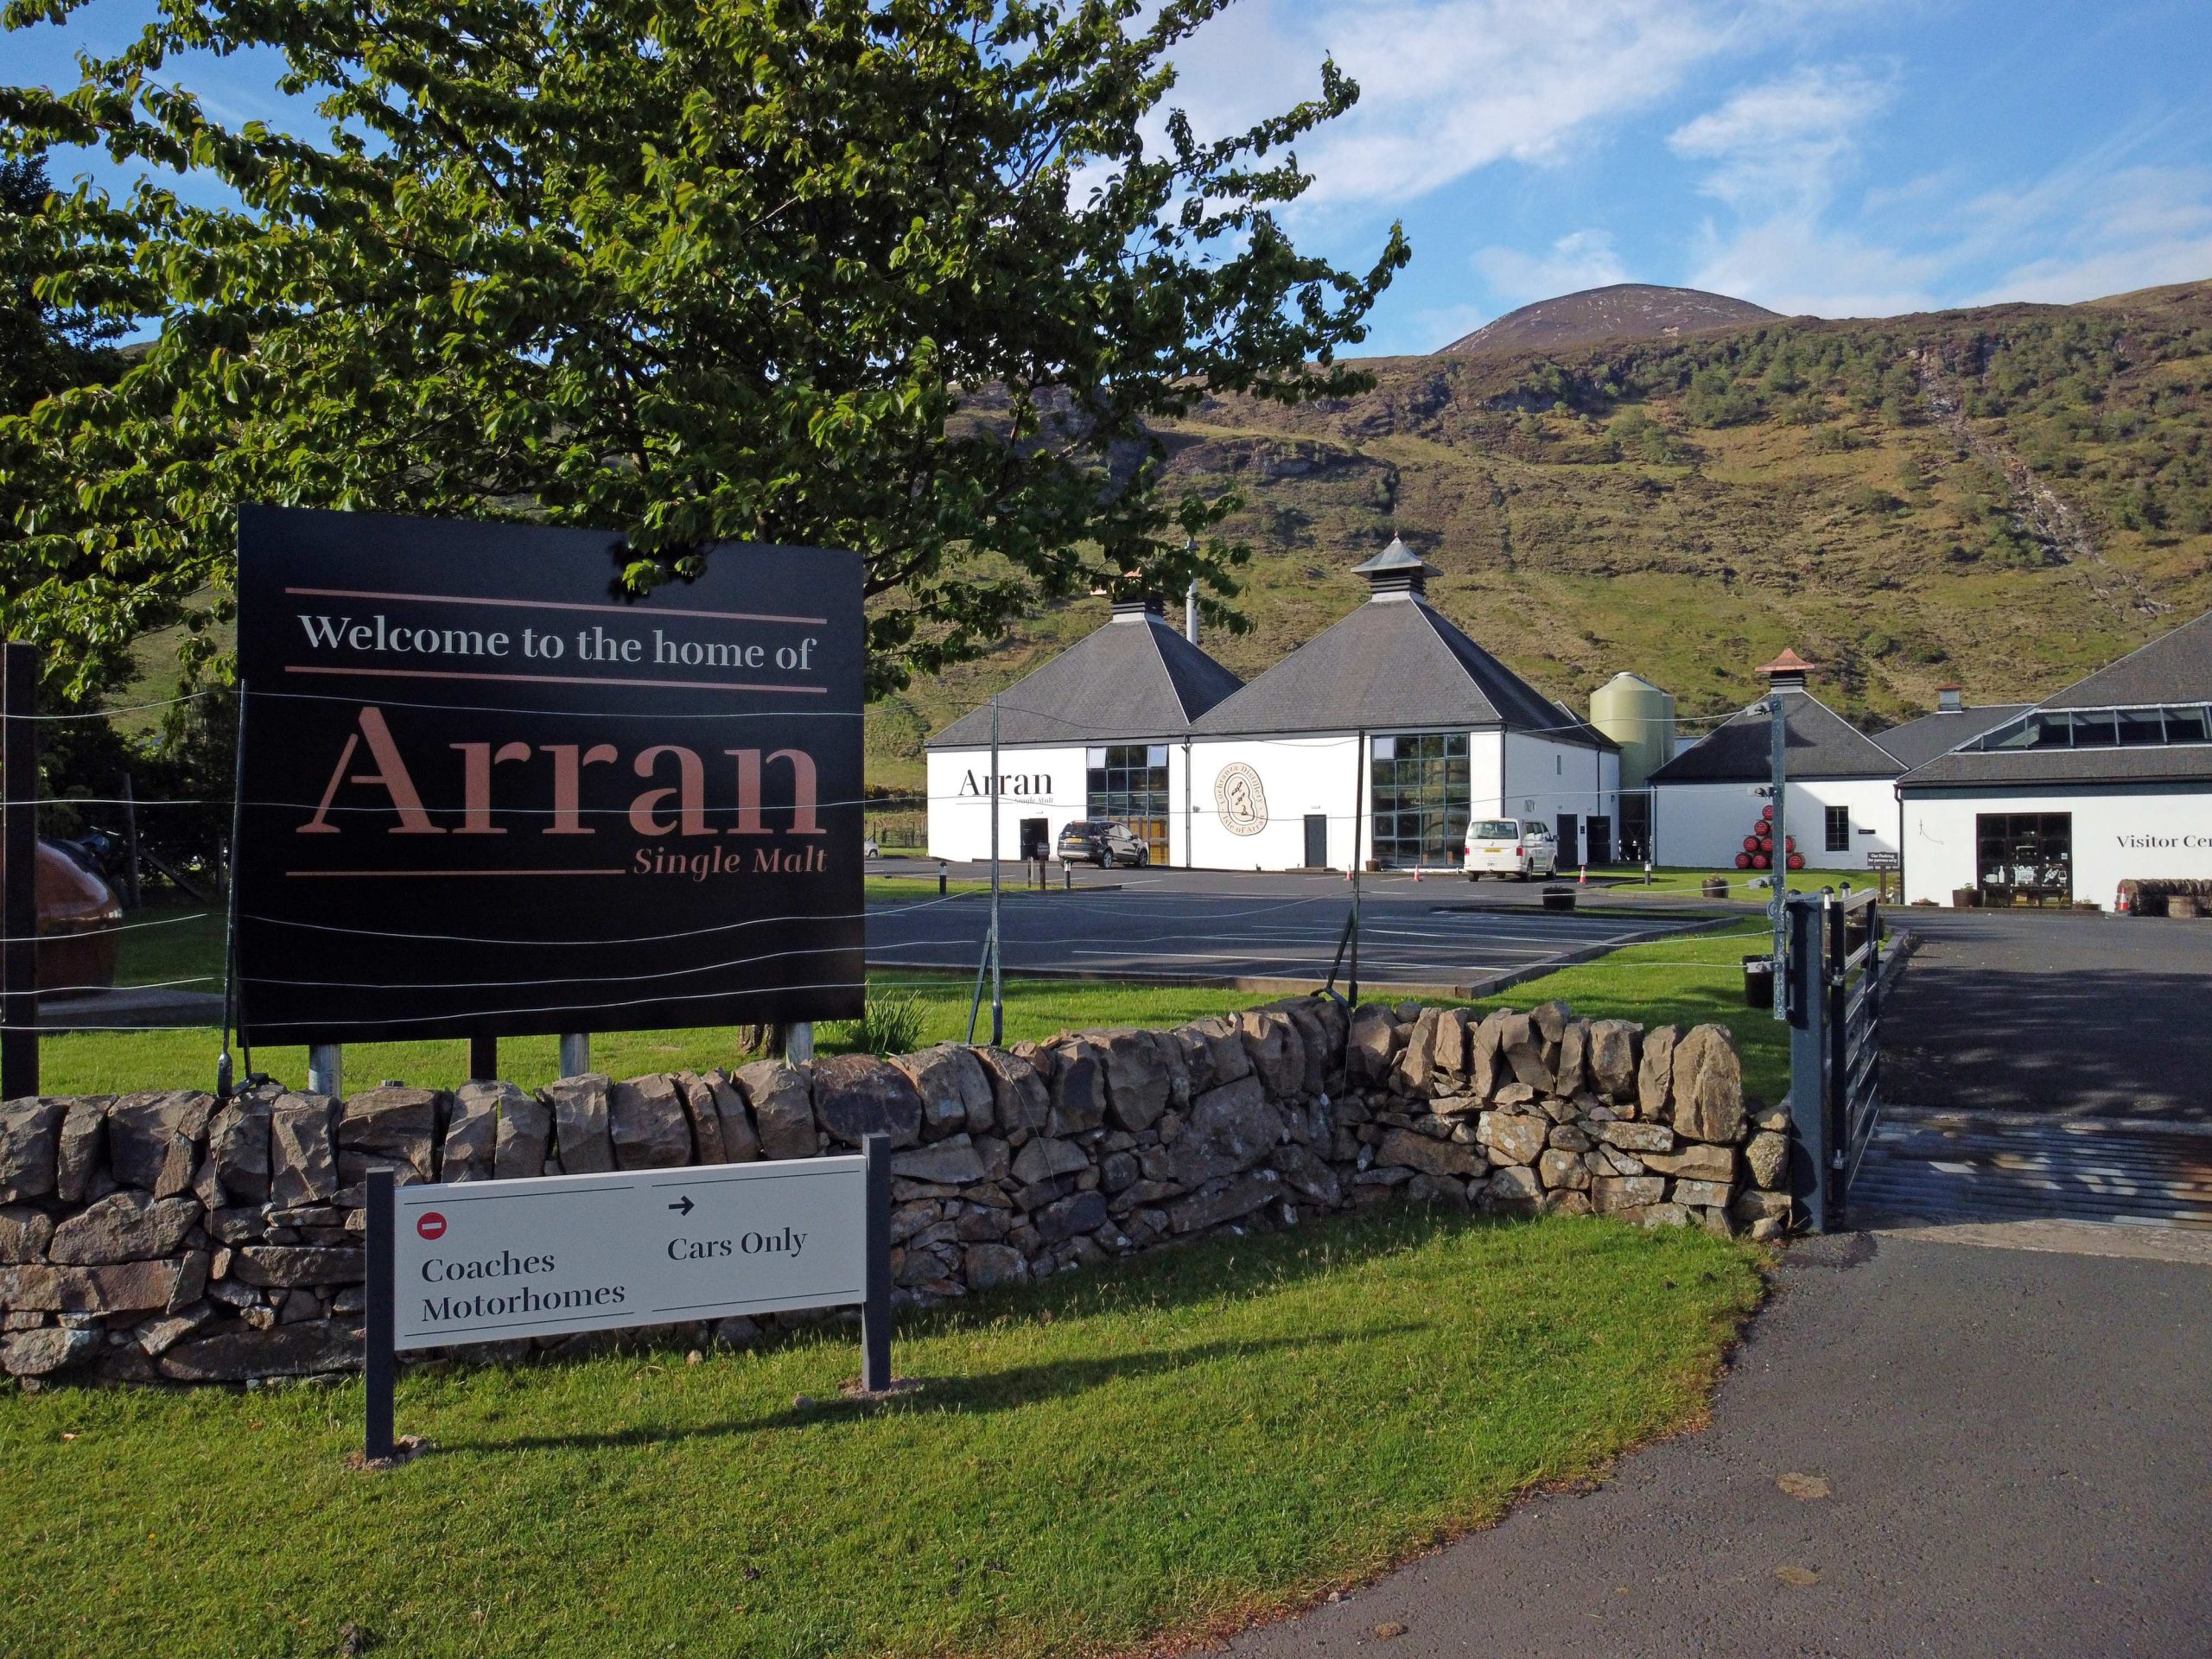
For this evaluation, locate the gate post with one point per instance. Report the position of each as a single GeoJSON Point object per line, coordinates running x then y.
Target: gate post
{"type": "Point", "coordinates": [1806, 1009]}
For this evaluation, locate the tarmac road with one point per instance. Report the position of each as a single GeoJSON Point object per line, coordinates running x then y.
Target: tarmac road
{"type": "Point", "coordinates": [1213, 926]}
{"type": "Point", "coordinates": [2016, 1448]}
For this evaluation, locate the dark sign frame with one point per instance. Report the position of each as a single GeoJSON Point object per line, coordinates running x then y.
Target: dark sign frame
{"type": "Point", "coordinates": [486, 791]}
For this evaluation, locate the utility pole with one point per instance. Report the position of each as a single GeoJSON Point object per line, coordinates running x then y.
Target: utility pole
{"type": "Point", "coordinates": [998, 1002]}
{"type": "Point", "coordinates": [990, 958]}
{"type": "Point", "coordinates": [1778, 868]}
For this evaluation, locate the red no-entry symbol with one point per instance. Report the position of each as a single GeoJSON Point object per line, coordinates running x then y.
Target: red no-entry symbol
{"type": "Point", "coordinates": [430, 1224]}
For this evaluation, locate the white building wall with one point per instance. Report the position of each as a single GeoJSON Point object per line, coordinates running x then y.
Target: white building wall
{"type": "Point", "coordinates": [1040, 783]}
{"type": "Point", "coordinates": [2144, 832]}
{"type": "Point", "coordinates": [1297, 776]}
{"type": "Point", "coordinates": [1702, 826]}
{"type": "Point", "coordinates": [1542, 780]}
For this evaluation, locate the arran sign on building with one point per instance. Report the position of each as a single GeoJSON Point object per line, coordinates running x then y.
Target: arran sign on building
{"type": "Point", "coordinates": [489, 792]}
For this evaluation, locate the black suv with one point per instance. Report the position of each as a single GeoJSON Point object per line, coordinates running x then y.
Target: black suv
{"type": "Point", "coordinates": [1103, 842]}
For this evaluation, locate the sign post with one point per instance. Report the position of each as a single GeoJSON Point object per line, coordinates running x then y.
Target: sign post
{"type": "Point", "coordinates": [491, 1261]}
{"type": "Point", "coordinates": [493, 791]}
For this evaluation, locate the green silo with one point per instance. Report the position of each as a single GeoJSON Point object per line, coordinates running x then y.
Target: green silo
{"type": "Point", "coordinates": [1640, 717]}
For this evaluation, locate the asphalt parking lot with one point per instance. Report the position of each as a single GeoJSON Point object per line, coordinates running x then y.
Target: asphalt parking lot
{"type": "Point", "coordinates": [1219, 927]}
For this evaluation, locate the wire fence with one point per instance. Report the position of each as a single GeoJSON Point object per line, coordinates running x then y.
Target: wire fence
{"type": "Point", "coordinates": [1313, 946]}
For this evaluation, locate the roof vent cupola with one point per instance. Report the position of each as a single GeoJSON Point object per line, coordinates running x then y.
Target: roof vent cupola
{"type": "Point", "coordinates": [1786, 672]}
{"type": "Point", "coordinates": [1397, 572]}
{"type": "Point", "coordinates": [1951, 700]}
{"type": "Point", "coordinates": [1136, 610]}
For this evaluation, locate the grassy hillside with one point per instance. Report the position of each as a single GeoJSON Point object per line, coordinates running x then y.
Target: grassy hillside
{"type": "Point", "coordinates": [2005, 496]}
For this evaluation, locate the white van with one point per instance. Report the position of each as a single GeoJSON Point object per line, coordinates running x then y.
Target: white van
{"type": "Point", "coordinates": [1519, 848]}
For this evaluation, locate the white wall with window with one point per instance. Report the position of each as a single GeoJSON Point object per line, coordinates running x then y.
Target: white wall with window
{"type": "Point", "coordinates": [2015, 841]}
{"type": "Point", "coordinates": [2054, 844]}
{"type": "Point", "coordinates": [1835, 822]}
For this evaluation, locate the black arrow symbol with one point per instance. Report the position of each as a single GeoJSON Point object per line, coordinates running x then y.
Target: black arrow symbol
{"type": "Point", "coordinates": [683, 1204]}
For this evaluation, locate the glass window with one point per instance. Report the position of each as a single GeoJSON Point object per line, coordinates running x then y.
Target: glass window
{"type": "Point", "coordinates": [2140, 726]}
{"type": "Point", "coordinates": [1127, 783]}
{"type": "Point", "coordinates": [1839, 828]}
{"type": "Point", "coordinates": [1420, 787]}
{"type": "Point", "coordinates": [2186, 725]}
{"type": "Point", "coordinates": [2095, 728]}
{"type": "Point", "coordinates": [1495, 830]}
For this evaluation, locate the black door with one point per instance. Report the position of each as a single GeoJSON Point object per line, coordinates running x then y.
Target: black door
{"type": "Point", "coordinates": [1600, 831]}
{"type": "Point", "coordinates": [2024, 858]}
{"type": "Point", "coordinates": [1570, 843]}
{"type": "Point", "coordinates": [1317, 840]}
{"type": "Point", "coordinates": [1036, 839]}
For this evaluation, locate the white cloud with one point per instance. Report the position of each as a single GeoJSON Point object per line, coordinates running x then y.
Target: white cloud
{"type": "Point", "coordinates": [1781, 144]}
{"type": "Point", "coordinates": [1793, 264]}
{"type": "Point", "coordinates": [1448, 87]}
{"type": "Point", "coordinates": [1579, 260]}
{"type": "Point", "coordinates": [2130, 228]}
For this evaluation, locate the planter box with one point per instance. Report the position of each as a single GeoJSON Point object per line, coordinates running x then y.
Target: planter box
{"type": "Point", "coordinates": [1966, 898]}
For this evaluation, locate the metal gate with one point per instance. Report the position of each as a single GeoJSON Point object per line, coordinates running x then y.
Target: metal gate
{"type": "Point", "coordinates": [1835, 1009]}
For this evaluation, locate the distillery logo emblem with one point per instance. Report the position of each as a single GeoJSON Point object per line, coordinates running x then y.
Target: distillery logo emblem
{"type": "Point", "coordinates": [1241, 800]}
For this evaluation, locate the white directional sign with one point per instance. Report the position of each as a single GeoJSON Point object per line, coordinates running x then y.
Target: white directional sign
{"type": "Point", "coordinates": [489, 1261]}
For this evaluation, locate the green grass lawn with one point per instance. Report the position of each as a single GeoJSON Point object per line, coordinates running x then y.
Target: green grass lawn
{"type": "Point", "coordinates": [1171, 1447]}
{"type": "Point", "coordinates": [1687, 981]}
{"type": "Point", "coordinates": [113, 1062]}
{"type": "Point", "coordinates": [1676, 881]}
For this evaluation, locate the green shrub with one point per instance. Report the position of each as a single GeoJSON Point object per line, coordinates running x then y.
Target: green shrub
{"type": "Point", "coordinates": [887, 1025]}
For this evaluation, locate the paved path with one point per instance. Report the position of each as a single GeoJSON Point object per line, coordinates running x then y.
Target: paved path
{"type": "Point", "coordinates": [2046, 1064]}
{"type": "Point", "coordinates": [1168, 924]}
{"type": "Point", "coordinates": [2016, 1450]}
{"type": "Point", "coordinates": [2053, 1013]}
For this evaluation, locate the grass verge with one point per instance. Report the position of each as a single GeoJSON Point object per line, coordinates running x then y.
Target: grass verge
{"type": "Point", "coordinates": [1687, 980]}
{"type": "Point", "coordinates": [112, 1062]}
{"type": "Point", "coordinates": [1193, 1439]}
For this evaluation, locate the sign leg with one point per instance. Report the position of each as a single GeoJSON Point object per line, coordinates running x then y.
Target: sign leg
{"type": "Point", "coordinates": [381, 1361]}
{"type": "Point", "coordinates": [327, 1069]}
{"type": "Point", "coordinates": [576, 1053]}
{"type": "Point", "coordinates": [875, 1312]}
{"type": "Point", "coordinates": [484, 1059]}
{"type": "Point", "coordinates": [19, 901]}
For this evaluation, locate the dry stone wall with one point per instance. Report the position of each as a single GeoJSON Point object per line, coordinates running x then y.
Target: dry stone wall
{"type": "Point", "coordinates": [167, 1237]}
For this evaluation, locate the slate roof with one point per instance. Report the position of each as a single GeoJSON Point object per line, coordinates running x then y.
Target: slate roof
{"type": "Point", "coordinates": [1820, 744]}
{"type": "Point", "coordinates": [2183, 763]}
{"type": "Point", "coordinates": [1394, 664]}
{"type": "Point", "coordinates": [1133, 678]}
{"type": "Point", "coordinates": [2175, 667]}
{"type": "Point", "coordinates": [1918, 741]}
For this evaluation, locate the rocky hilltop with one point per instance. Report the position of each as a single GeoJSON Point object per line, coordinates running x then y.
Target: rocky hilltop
{"type": "Point", "coordinates": [1598, 317]}
{"type": "Point", "coordinates": [2006, 497]}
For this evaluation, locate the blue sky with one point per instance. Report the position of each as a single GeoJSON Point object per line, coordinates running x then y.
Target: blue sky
{"type": "Point", "coordinates": [1841, 158]}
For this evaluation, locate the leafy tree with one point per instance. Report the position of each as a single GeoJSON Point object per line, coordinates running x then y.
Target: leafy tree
{"type": "Point", "coordinates": [901, 276]}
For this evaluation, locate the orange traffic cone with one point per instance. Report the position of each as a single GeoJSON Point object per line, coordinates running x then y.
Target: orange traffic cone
{"type": "Point", "coordinates": [1416, 872]}
{"type": "Point", "coordinates": [1582, 877]}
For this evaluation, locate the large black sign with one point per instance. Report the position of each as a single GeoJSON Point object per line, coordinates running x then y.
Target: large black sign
{"type": "Point", "coordinates": [488, 792]}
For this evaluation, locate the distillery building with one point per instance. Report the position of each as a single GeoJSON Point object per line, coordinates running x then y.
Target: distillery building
{"type": "Point", "coordinates": [1375, 742]}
